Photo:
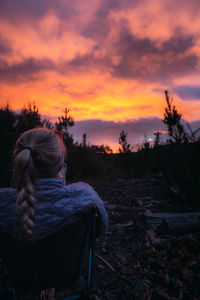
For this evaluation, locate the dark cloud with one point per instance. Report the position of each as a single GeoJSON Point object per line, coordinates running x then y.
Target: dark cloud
{"type": "Point", "coordinates": [115, 5]}
{"type": "Point", "coordinates": [159, 90]}
{"type": "Point", "coordinates": [5, 49]}
{"type": "Point", "coordinates": [96, 31]}
{"type": "Point", "coordinates": [195, 124]}
{"type": "Point", "coordinates": [141, 58]}
{"type": "Point", "coordinates": [67, 90]}
{"type": "Point", "coordinates": [100, 26]}
{"type": "Point", "coordinates": [67, 9]}
{"type": "Point", "coordinates": [25, 71]}
{"type": "Point", "coordinates": [86, 63]}
{"type": "Point", "coordinates": [21, 11]}
{"type": "Point", "coordinates": [98, 131]}
{"type": "Point", "coordinates": [187, 92]}
{"type": "Point", "coordinates": [178, 44]}
{"type": "Point", "coordinates": [63, 9]}
{"type": "Point", "coordinates": [79, 95]}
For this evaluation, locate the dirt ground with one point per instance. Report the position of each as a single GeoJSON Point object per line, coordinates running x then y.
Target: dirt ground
{"type": "Point", "coordinates": [132, 262]}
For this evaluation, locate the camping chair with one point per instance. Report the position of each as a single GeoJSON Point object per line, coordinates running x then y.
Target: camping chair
{"type": "Point", "coordinates": [54, 261]}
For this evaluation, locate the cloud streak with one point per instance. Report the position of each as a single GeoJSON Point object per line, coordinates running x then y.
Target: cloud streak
{"type": "Point", "coordinates": [107, 132]}
{"type": "Point", "coordinates": [188, 92]}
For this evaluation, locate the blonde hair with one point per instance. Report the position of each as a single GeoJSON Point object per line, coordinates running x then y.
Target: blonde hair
{"type": "Point", "coordinates": [38, 153]}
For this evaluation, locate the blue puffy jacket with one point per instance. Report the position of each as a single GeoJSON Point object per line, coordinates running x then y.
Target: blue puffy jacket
{"type": "Point", "coordinates": [55, 201]}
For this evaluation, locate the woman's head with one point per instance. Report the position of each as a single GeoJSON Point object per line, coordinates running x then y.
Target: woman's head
{"type": "Point", "coordinates": [39, 153]}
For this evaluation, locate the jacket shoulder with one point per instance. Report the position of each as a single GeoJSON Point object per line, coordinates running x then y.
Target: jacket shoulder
{"type": "Point", "coordinates": [7, 194]}
{"type": "Point", "coordinates": [81, 187]}
{"type": "Point", "coordinates": [7, 207]}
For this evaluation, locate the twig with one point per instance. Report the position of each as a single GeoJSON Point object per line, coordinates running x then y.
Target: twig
{"type": "Point", "coordinates": [106, 262]}
{"type": "Point", "coordinates": [163, 294]}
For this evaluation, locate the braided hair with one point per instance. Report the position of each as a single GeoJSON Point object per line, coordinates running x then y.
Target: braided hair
{"type": "Point", "coordinates": [39, 153]}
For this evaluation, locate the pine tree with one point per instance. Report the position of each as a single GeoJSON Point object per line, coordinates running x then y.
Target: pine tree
{"type": "Point", "coordinates": [28, 118]}
{"type": "Point", "coordinates": [63, 124]}
{"type": "Point", "coordinates": [172, 119]}
{"type": "Point", "coordinates": [125, 147]}
{"type": "Point", "coordinates": [7, 138]}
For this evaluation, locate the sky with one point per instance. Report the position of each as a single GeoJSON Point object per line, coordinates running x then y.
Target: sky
{"type": "Point", "coordinates": [108, 61]}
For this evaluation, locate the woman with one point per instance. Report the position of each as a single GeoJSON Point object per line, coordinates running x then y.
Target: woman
{"type": "Point", "coordinates": [42, 201]}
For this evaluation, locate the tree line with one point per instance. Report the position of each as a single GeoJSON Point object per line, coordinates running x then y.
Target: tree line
{"type": "Point", "coordinates": [177, 132]}
{"type": "Point", "coordinates": [177, 159]}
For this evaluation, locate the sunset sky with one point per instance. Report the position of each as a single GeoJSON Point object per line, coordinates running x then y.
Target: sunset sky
{"type": "Point", "coordinates": [108, 61]}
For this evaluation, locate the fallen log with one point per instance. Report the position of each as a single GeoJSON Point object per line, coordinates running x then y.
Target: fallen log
{"type": "Point", "coordinates": [173, 223]}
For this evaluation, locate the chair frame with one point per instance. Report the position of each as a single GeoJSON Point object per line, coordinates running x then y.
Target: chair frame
{"type": "Point", "coordinates": [91, 212]}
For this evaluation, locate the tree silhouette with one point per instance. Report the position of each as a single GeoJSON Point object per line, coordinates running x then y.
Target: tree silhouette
{"type": "Point", "coordinates": [29, 118]}
{"type": "Point", "coordinates": [172, 119]}
{"type": "Point", "coordinates": [102, 149]}
{"type": "Point", "coordinates": [84, 140]}
{"type": "Point", "coordinates": [157, 135]}
{"type": "Point", "coordinates": [125, 147]}
{"type": "Point", "coordinates": [63, 124]}
{"type": "Point", "coordinates": [47, 124]}
{"type": "Point", "coordinates": [7, 120]}
{"type": "Point", "coordinates": [146, 143]}
{"type": "Point", "coordinates": [7, 138]}
{"type": "Point", "coordinates": [193, 134]}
